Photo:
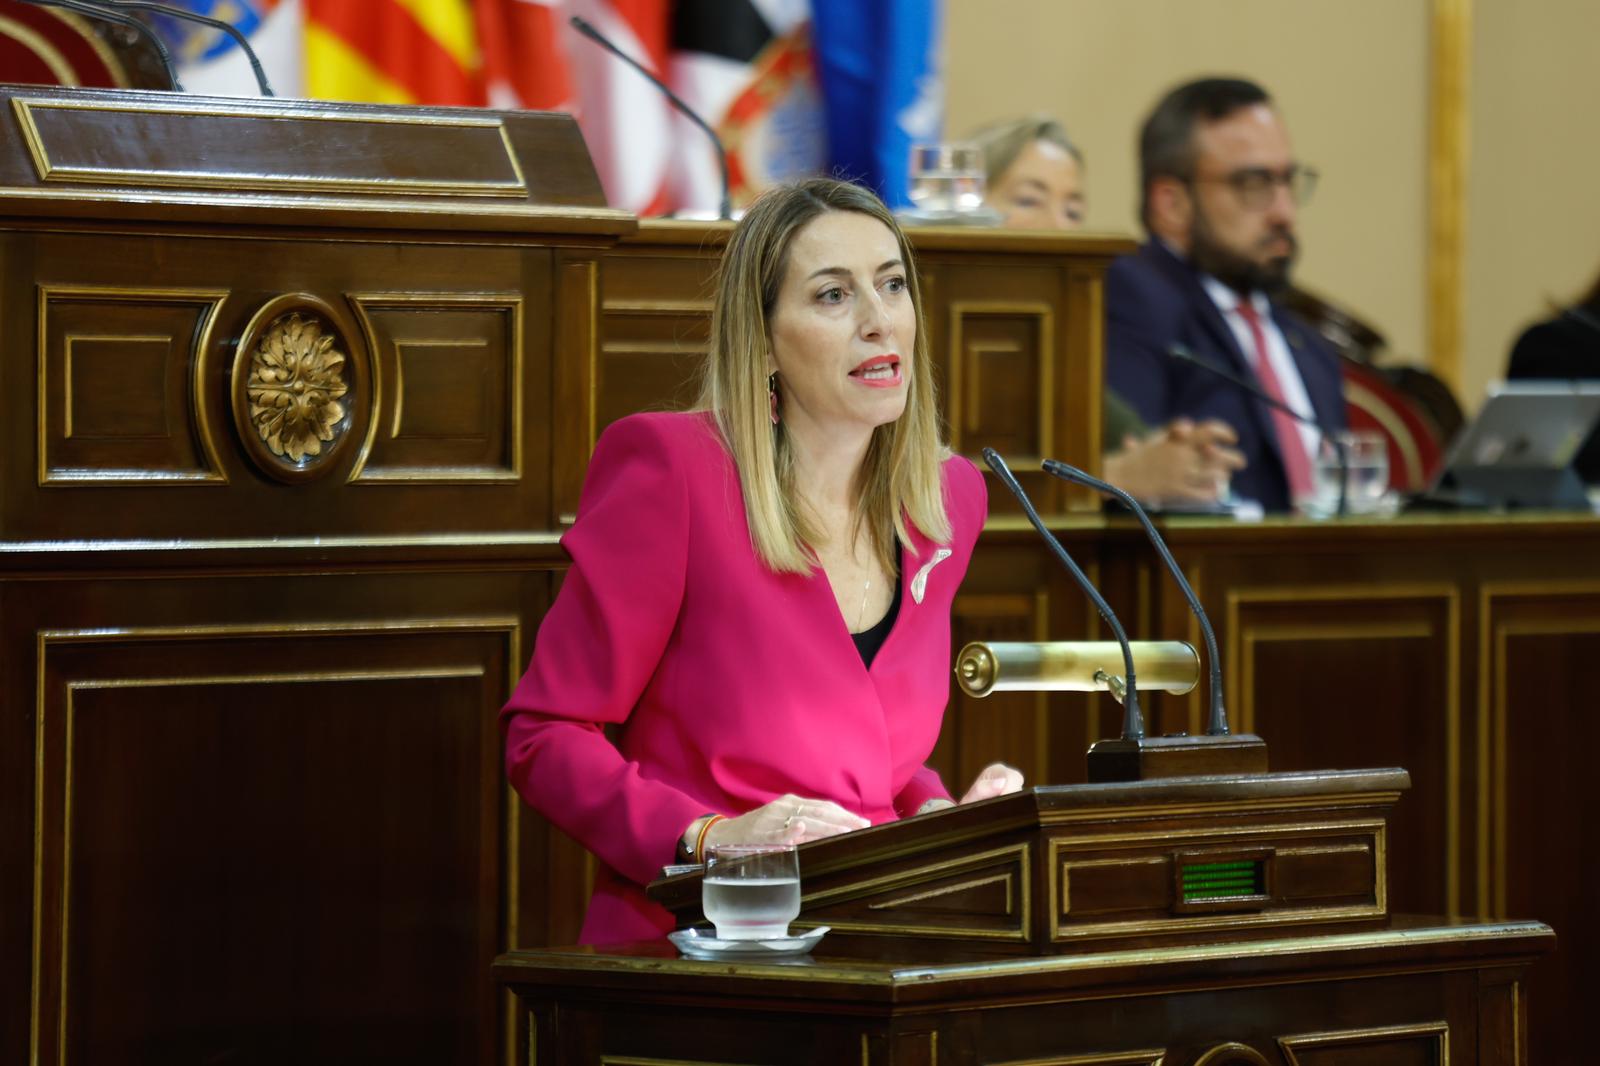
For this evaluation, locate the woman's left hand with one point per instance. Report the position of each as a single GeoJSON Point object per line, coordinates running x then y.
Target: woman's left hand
{"type": "Point", "coordinates": [996, 779]}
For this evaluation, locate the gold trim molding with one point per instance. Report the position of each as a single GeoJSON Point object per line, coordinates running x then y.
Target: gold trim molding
{"type": "Point", "coordinates": [27, 108]}
{"type": "Point", "coordinates": [1018, 855]}
{"type": "Point", "coordinates": [1440, 1031]}
{"type": "Point", "coordinates": [1156, 1057]}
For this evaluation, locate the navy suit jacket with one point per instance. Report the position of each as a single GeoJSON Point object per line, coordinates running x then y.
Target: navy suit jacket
{"type": "Point", "coordinates": [1155, 300]}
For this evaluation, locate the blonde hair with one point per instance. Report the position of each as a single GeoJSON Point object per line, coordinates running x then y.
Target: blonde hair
{"type": "Point", "coordinates": [1002, 142]}
{"type": "Point", "coordinates": [900, 480]}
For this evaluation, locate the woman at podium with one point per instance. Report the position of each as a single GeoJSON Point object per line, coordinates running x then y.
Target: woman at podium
{"type": "Point", "coordinates": [760, 590]}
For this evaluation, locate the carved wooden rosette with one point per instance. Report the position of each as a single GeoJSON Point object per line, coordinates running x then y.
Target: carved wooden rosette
{"type": "Point", "coordinates": [298, 387]}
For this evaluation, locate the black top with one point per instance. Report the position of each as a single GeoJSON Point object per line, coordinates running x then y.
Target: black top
{"type": "Point", "coordinates": [868, 641]}
{"type": "Point", "coordinates": [1566, 347]}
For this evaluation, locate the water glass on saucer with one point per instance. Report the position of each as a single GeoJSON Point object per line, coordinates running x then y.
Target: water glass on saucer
{"type": "Point", "coordinates": [751, 891]}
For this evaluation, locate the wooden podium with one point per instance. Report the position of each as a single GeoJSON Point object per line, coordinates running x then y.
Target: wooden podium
{"type": "Point", "coordinates": [1204, 921]}
{"type": "Point", "coordinates": [289, 391]}
{"type": "Point", "coordinates": [1100, 867]}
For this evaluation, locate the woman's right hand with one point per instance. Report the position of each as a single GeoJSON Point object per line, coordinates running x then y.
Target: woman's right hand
{"type": "Point", "coordinates": [786, 820]}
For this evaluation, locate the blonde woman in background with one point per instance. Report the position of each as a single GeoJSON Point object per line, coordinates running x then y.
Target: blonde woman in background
{"type": "Point", "coordinates": [1036, 181]}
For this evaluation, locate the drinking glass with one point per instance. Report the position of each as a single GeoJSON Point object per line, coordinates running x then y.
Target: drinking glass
{"type": "Point", "coordinates": [1366, 474]}
{"type": "Point", "coordinates": [751, 891]}
{"type": "Point", "coordinates": [946, 178]}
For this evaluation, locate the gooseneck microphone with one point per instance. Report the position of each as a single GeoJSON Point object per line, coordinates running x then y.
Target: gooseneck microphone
{"type": "Point", "coordinates": [205, 20]}
{"type": "Point", "coordinates": [100, 11]}
{"type": "Point", "coordinates": [1184, 355]}
{"type": "Point", "coordinates": [1132, 717]}
{"type": "Point", "coordinates": [1217, 720]}
{"type": "Point", "coordinates": [725, 211]}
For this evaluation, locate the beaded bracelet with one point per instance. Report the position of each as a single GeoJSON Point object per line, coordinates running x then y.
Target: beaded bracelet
{"type": "Point", "coordinates": [699, 855]}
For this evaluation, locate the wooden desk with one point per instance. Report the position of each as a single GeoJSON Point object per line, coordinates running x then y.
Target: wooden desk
{"type": "Point", "coordinates": [1457, 646]}
{"type": "Point", "coordinates": [1420, 991]}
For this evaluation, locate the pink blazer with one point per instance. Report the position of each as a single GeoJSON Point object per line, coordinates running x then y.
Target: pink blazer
{"type": "Point", "coordinates": [732, 685]}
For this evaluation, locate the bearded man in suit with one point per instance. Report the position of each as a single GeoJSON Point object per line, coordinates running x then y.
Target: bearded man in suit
{"type": "Point", "coordinates": [1220, 191]}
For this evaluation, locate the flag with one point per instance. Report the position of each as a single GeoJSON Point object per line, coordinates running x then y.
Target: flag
{"type": "Point", "coordinates": [626, 122]}
{"type": "Point", "coordinates": [746, 68]}
{"type": "Point", "coordinates": [524, 58]}
{"type": "Point", "coordinates": [881, 76]}
{"type": "Point", "coordinates": [211, 63]}
{"type": "Point", "coordinates": [792, 87]}
{"type": "Point", "coordinates": [393, 52]}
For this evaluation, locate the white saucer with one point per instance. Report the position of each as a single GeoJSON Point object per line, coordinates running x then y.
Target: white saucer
{"type": "Point", "coordinates": [703, 944]}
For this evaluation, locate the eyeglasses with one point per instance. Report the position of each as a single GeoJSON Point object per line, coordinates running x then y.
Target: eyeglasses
{"type": "Point", "coordinates": [1256, 186]}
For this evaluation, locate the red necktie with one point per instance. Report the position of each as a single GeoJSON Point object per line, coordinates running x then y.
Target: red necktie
{"type": "Point", "coordinates": [1295, 461]}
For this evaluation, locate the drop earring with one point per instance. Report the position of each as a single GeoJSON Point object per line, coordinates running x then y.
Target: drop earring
{"type": "Point", "coordinates": [772, 396]}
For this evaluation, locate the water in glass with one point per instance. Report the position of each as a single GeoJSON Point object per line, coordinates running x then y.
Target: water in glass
{"type": "Point", "coordinates": [946, 177]}
{"type": "Point", "coordinates": [1367, 474]}
{"type": "Point", "coordinates": [751, 892]}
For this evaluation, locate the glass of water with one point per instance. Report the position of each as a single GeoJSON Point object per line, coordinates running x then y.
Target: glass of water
{"type": "Point", "coordinates": [751, 891]}
{"type": "Point", "coordinates": [946, 178]}
{"type": "Point", "coordinates": [1366, 458]}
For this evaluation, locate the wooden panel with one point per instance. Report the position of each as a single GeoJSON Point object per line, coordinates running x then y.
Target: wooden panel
{"type": "Point", "coordinates": [572, 417]}
{"type": "Point", "coordinates": [269, 808]}
{"type": "Point", "coordinates": [218, 808]}
{"type": "Point", "coordinates": [276, 161]}
{"type": "Point", "coordinates": [1538, 735]}
{"type": "Point", "coordinates": [1005, 726]}
{"type": "Point", "coordinates": [445, 443]}
{"type": "Point", "coordinates": [1004, 314]}
{"type": "Point", "coordinates": [655, 320]}
{"type": "Point", "coordinates": [112, 142]}
{"type": "Point", "coordinates": [116, 385]}
{"type": "Point", "coordinates": [1001, 379]}
{"type": "Point", "coordinates": [1302, 665]}
{"type": "Point", "coordinates": [981, 896]}
{"type": "Point", "coordinates": [451, 366]}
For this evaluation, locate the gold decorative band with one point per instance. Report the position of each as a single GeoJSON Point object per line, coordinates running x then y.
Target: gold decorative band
{"type": "Point", "coordinates": [31, 110]}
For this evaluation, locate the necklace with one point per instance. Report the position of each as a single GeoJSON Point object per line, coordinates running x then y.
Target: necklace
{"type": "Point", "coordinates": [861, 615]}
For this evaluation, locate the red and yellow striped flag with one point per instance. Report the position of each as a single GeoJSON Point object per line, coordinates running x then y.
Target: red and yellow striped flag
{"type": "Point", "coordinates": [504, 53]}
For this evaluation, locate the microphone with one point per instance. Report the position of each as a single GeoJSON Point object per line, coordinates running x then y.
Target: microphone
{"type": "Point", "coordinates": [1132, 718]}
{"type": "Point", "coordinates": [205, 20]}
{"type": "Point", "coordinates": [725, 210]}
{"type": "Point", "coordinates": [93, 10]}
{"type": "Point", "coordinates": [1181, 353]}
{"type": "Point", "coordinates": [1217, 721]}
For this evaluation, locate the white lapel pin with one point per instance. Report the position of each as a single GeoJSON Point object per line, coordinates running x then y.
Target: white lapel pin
{"type": "Point", "coordinates": [919, 584]}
